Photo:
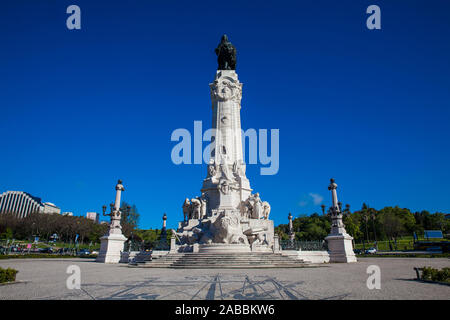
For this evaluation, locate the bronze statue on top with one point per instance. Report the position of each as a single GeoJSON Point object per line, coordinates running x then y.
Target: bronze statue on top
{"type": "Point", "coordinates": [226, 54]}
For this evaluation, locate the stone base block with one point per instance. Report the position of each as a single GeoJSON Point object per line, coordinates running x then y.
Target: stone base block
{"type": "Point", "coordinates": [223, 248]}
{"type": "Point", "coordinates": [110, 248]}
{"type": "Point", "coordinates": [340, 248]}
{"type": "Point", "coordinates": [261, 248]}
{"type": "Point", "coordinates": [308, 256]}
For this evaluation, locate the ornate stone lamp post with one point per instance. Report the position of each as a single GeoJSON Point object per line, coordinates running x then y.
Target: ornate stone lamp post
{"type": "Point", "coordinates": [112, 243]}
{"type": "Point", "coordinates": [339, 242]}
{"type": "Point", "coordinates": [291, 230]}
{"type": "Point", "coordinates": [163, 230]}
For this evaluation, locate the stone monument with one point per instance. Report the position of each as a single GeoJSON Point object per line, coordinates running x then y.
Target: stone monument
{"type": "Point", "coordinates": [226, 217]}
{"type": "Point", "coordinates": [340, 244]}
{"type": "Point", "coordinates": [113, 242]}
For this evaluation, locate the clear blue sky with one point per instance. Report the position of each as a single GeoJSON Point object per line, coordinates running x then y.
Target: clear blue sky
{"type": "Point", "coordinates": [80, 109]}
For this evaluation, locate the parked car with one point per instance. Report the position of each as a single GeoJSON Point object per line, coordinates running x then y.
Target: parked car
{"type": "Point", "coordinates": [371, 251]}
{"type": "Point", "coordinates": [46, 250]}
{"type": "Point", "coordinates": [84, 252]}
{"type": "Point", "coordinates": [2, 250]}
{"type": "Point", "coordinates": [357, 251]}
{"type": "Point", "coordinates": [94, 252]}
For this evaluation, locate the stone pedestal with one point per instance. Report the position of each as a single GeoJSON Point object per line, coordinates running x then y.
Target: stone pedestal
{"type": "Point", "coordinates": [340, 248]}
{"type": "Point", "coordinates": [223, 248]}
{"type": "Point", "coordinates": [111, 248]}
{"type": "Point", "coordinates": [276, 244]}
{"type": "Point", "coordinates": [173, 243]}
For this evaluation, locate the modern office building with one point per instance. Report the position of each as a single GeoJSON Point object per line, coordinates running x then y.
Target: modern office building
{"type": "Point", "coordinates": [22, 204]}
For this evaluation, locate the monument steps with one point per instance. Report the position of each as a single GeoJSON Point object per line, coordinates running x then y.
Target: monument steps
{"type": "Point", "coordinates": [225, 260]}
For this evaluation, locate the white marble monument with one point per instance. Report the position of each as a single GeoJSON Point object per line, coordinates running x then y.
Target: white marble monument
{"type": "Point", "coordinates": [227, 217]}
{"type": "Point", "coordinates": [340, 244]}
{"type": "Point", "coordinates": [112, 243]}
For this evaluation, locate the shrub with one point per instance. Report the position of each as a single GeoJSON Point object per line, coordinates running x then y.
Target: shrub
{"type": "Point", "coordinates": [7, 275]}
{"type": "Point", "coordinates": [429, 273]}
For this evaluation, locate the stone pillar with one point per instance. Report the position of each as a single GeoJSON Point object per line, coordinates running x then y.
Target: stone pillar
{"type": "Point", "coordinates": [173, 243]}
{"type": "Point", "coordinates": [276, 244]}
{"type": "Point", "coordinates": [226, 184]}
{"type": "Point", "coordinates": [340, 244]}
{"type": "Point", "coordinates": [291, 229]}
{"type": "Point", "coordinates": [111, 246]}
{"type": "Point", "coordinates": [163, 238]}
{"type": "Point", "coordinates": [119, 189]}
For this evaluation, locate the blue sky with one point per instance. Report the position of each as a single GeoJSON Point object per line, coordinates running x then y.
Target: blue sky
{"type": "Point", "coordinates": [81, 108]}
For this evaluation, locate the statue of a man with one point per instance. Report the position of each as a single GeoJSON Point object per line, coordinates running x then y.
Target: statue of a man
{"type": "Point", "coordinates": [226, 54]}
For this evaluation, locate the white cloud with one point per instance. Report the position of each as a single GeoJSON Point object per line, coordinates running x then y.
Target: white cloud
{"type": "Point", "coordinates": [317, 198]}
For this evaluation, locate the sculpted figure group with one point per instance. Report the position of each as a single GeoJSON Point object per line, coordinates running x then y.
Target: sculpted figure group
{"type": "Point", "coordinates": [254, 208]}
{"type": "Point", "coordinates": [194, 209]}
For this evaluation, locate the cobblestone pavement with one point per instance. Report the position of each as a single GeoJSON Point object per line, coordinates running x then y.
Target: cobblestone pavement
{"type": "Point", "coordinates": [46, 279]}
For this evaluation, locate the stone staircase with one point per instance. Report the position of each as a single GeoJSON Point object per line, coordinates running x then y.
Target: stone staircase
{"type": "Point", "coordinates": [222, 261]}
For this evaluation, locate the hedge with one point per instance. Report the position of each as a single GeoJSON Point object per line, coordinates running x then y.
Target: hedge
{"type": "Point", "coordinates": [7, 275]}
{"type": "Point", "coordinates": [432, 274]}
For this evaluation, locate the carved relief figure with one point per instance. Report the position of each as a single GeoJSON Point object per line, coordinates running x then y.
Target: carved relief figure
{"type": "Point", "coordinates": [212, 170]}
{"type": "Point", "coordinates": [266, 209]}
{"type": "Point", "coordinates": [257, 206]}
{"type": "Point", "coordinates": [226, 174]}
{"type": "Point", "coordinates": [225, 187]}
{"type": "Point", "coordinates": [186, 209]}
{"type": "Point", "coordinates": [196, 205]}
{"type": "Point", "coordinates": [228, 230]}
{"type": "Point", "coordinates": [203, 208]}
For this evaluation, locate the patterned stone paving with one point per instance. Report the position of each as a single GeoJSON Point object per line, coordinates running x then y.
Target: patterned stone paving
{"type": "Point", "coordinates": [46, 279]}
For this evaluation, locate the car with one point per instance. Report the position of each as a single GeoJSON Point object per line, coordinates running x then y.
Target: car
{"type": "Point", "coordinates": [371, 251]}
{"type": "Point", "coordinates": [84, 252]}
{"type": "Point", "coordinates": [46, 250]}
{"type": "Point", "coordinates": [357, 251]}
{"type": "Point", "coordinates": [94, 252]}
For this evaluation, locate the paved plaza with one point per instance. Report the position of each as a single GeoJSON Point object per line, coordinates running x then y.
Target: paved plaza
{"type": "Point", "coordinates": [46, 279]}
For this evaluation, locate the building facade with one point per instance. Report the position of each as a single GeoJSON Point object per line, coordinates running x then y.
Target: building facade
{"type": "Point", "coordinates": [22, 204]}
{"type": "Point", "coordinates": [48, 207]}
{"type": "Point", "coordinates": [94, 216]}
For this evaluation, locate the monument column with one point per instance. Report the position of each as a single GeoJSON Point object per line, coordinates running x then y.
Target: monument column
{"type": "Point", "coordinates": [340, 244]}
{"type": "Point", "coordinates": [226, 185]}
{"type": "Point", "coordinates": [226, 217]}
{"type": "Point", "coordinates": [111, 247]}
